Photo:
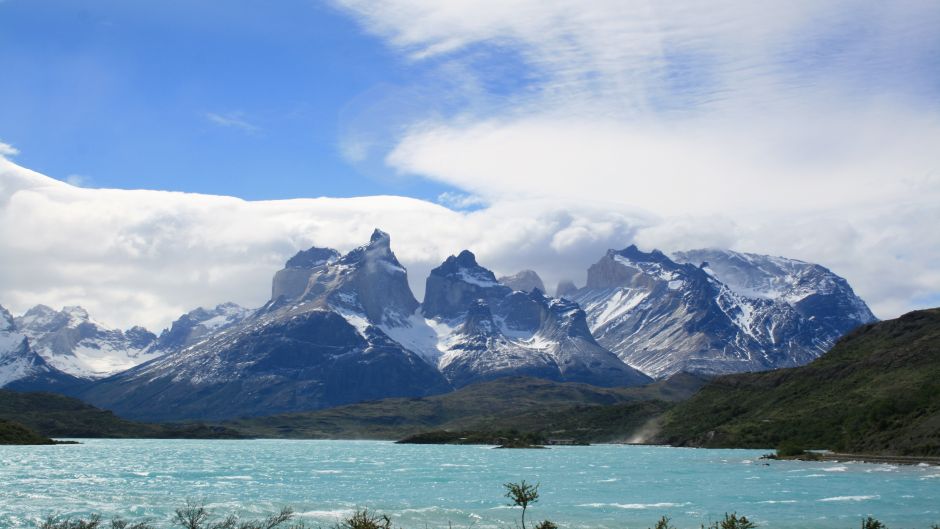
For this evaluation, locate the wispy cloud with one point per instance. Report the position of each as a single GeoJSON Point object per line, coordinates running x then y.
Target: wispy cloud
{"type": "Point", "coordinates": [8, 150]}
{"type": "Point", "coordinates": [77, 180]}
{"type": "Point", "coordinates": [235, 120]}
{"type": "Point", "coordinates": [460, 201]}
{"type": "Point", "coordinates": [805, 128]}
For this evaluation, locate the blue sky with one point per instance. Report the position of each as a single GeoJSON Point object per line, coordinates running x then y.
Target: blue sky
{"type": "Point", "coordinates": [242, 97]}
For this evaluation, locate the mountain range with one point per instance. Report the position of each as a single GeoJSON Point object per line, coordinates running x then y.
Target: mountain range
{"type": "Point", "coordinates": [340, 329]}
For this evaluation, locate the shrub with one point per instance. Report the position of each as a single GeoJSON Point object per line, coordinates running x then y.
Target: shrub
{"type": "Point", "coordinates": [546, 524]}
{"type": "Point", "coordinates": [871, 523]}
{"type": "Point", "coordinates": [790, 449]}
{"type": "Point", "coordinates": [663, 523]}
{"type": "Point", "coordinates": [365, 520]}
{"type": "Point", "coordinates": [731, 521]}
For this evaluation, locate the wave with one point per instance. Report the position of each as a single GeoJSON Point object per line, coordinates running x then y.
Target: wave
{"type": "Point", "coordinates": [851, 498]}
{"type": "Point", "coordinates": [633, 505]}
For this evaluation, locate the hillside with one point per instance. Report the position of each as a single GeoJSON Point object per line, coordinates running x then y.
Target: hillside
{"type": "Point", "coordinates": [572, 410]}
{"type": "Point", "coordinates": [59, 416]}
{"type": "Point", "coordinates": [876, 391]}
{"type": "Point", "coordinates": [12, 433]}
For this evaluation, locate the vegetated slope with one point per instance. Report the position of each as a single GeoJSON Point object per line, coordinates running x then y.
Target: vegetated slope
{"type": "Point", "coordinates": [12, 433]}
{"type": "Point", "coordinates": [876, 391]}
{"type": "Point", "coordinates": [59, 416]}
{"type": "Point", "coordinates": [572, 410]}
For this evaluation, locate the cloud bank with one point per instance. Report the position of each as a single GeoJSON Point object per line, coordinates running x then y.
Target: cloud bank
{"type": "Point", "coordinates": [145, 257]}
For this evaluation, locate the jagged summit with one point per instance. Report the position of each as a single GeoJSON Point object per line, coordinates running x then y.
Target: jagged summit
{"type": "Point", "coordinates": [565, 288]}
{"type": "Point", "coordinates": [20, 367]}
{"type": "Point", "coordinates": [6, 320]}
{"type": "Point", "coordinates": [665, 316]}
{"type": "Point", "coordinates": [73, 342]}
{"type": "Point", "coordinates": [525, 281]}
{"type": "Point", "coordinates": [479, 321]}
{"type": "Point", "coordinates": [312, 258]}
{"type": "Point", "coordinates": [456, 284]}
{"type": "Point", "coordinates": [380, 237]}
{"type": "Point", "coordinates": [501, 331]}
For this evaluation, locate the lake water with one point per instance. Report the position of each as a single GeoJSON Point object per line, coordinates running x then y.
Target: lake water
{"type": "Point", "coordinates": [431, 486]}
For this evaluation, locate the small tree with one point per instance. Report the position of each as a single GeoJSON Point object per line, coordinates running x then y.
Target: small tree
{"type": "Point", "coordinates": [365, 520]}
{"type": "Point", "coordinates": [731, 521]}
{"type": "Point", "coordinates": [522, 494]}
{"type": "Point", "coordinates": [546, 524]}
{"type": "Point", "coordinates": [663, 523]}
{"type": "Point", "coordinates": [871, 523]}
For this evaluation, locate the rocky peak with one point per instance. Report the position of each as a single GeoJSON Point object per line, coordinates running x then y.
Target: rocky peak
{"type": "Point", "coordinates": [312, 258]}
{"type": "Point", "coordinates": [139, 338]}
{"type": "Point", "coordinates": [526, 281]}
{"type": "Point", "coordinates": [76, 315]}
{"type": "Point", "coordinates": [41, 317]}
{"type": "Point", "coordinates": [561, 316]}
{"type": "Point", "coordinates": [479, 321]}
{"type": "Point", "coordinates": [368, 281]}
{"type": "Point", "coordinates": [565, 288]}
{"type": "Point", "coordinates": [634, 268]}
{"type": "Point", "coordinates": [456, 284]}
{"type": "Point", "coordinates": [380, 237]}
{"type": "Point", "coordinates": [6, 320]}
{"type": "Point", "coordinates": [291, 281]}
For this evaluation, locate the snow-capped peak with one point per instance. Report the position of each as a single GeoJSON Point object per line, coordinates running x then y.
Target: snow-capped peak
{"type": "Point", "coordinates": [6, 320]}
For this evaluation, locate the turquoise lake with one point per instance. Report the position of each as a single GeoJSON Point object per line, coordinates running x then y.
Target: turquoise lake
{"type": "Point", "coordinates": [433, 486]}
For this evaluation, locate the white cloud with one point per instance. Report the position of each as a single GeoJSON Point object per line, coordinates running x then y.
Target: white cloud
{"type": "Point", "coordinates": [145, 257]}
{"type": "Point", "coordinates": [235, 120]}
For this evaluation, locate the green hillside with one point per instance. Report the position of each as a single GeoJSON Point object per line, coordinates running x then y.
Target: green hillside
{"type": "Point", "coordinates": [876, 391]}
{"type": "Point", "coordinates": [59, 416]}
{"type": "Point", "coordinates": [568, 410]}
{"type": "Point", "coordinates": [12, 433]}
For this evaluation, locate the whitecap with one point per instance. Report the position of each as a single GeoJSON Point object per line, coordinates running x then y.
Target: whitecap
{"type": "Point", "coordinates": [327, 471]}
{"type": "Point", "coordinates": [778, 501]}
{"type": "Point", "coordinates": [851, 498]}
{"type": "Point", "coordinates": [334, 514]}
{"type": "Point", "coordinates": [609, 480]}
{"type": "Point", "coordinates": [633, 506]}
{"type": "Point", "coordinates": [840, 468]}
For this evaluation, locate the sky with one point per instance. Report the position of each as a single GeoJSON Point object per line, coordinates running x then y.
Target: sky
{"type": "Point", "coordinates": [135, 136]}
